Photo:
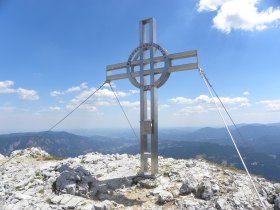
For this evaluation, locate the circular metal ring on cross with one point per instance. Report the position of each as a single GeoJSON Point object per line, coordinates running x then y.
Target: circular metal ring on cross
{"type": "Point", "coordinates": [135, 55]}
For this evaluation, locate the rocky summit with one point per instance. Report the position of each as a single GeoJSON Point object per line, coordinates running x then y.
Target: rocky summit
{"type": "Point", "coordinates": [32, 179]}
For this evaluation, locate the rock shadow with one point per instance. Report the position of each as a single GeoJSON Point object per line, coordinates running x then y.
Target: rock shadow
{"type": "Point", "coordinates": [76, 180]}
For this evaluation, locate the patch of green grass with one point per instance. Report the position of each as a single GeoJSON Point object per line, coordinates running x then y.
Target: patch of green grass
{"type": "Point", "coordinates": [18, 187]}
{"type": "Point", "coordinates": [41, 191]}
{"type": "Point", "coordinates": [37, 173]}
{"type": "Point", "coordinates": [48, 201]}
{"type": "Point", "coordinates": [200, 190]}
{"type": "Point", "coordinates": [278, 190]}
{"type": "Point", "coordinates": [46, 158]}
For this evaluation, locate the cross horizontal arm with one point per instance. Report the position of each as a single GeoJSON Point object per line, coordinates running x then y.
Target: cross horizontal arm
{"type": "Point", "coordinates": [171, 57]}
{"type": "Point", "coordinates": [186, 54]}
{"type": "Point", "coordinates": [182, 67]}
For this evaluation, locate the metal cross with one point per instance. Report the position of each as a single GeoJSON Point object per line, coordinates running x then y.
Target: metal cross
{"type": "Point", "coordinates": [142, 72]}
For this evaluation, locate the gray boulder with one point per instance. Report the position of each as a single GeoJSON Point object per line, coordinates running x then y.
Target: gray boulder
{"type": "Point", "coordinates": [204, 191]}
{"type": "Point", "coordinates": [220, 203]}
{"type": "Point", "coordinates": [189, 186]}
{"type": "Point", "coordinates": [75, 181]}
{"type": "Point", "coordinates": [277, 204]}
{"type": "Point", "coordinates": [164, 196]}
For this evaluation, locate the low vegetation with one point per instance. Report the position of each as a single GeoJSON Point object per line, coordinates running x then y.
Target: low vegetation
{"type": "Point", "coordinates": [47, 158]}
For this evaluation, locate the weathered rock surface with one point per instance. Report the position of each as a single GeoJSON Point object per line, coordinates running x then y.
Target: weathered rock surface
{"type": "Point", "coordinates": [35, 180]}
{"type": "Point", "coordinates": [277, 203]}
{"type": "Point", "coordinates": [164, 196]}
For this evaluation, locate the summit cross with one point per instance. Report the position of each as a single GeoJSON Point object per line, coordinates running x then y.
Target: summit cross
{"type": "Point", "coordinates": [148, 67]}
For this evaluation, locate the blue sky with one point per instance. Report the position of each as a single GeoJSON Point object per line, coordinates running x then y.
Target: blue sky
{"type": "Point", "coordinates": [54, 53]}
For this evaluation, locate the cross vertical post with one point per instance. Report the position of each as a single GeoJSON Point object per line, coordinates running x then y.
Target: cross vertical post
{"type": "Point", "coordinates": [148, 124]}
{"type": "Point", "coordinates": [148, 79]}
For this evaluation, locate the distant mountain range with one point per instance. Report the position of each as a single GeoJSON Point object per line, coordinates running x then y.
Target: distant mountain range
{"type": "Point", "coordinates": [259, 145]}
{"type": "Point", "coordinates": [60, 143]}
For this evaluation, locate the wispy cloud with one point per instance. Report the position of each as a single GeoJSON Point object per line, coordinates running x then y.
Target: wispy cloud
{"type": "Point", "coordinates": [271, 105]}
{"type": "Point", "coordinates": [204, 99]}
{"type": "Point", "coordinates": [54, 108]}
{"type": "Point", "coordinates": [134, 91]}
{"type": "Point", "coordinates": [192, 109]}
{"type": "Point", "coordinates": [246, 93]}
{"type": "Point", "coordinates": [240, 15]}
{"type": "Point", "coordinates": [103, 97]}
{"type": "Point", "coordinates": [6, 86]}
{"type": "Point", "coordinates": [56, 93]}
{"type": "Point", "coordinates": [72, 89]}
{"type": "Point", "coordinates": [135, 104]}
{"type": "Point", "coordinates": [25, 94]}
{"type": "Point", "coordinates": [204, 103]}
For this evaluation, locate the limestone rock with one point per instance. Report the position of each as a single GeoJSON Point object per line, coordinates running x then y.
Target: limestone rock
{"type": "Point", "coordinates": [189, 186]}
{"type": "Point", "coordinates": [204, 191]}
{"type": "Point", "coordinates": [220, 204]}
{"type": "Point", "coordinates": [147, 182]}
{"type": "Point", "coordinates": [105, 205]}
{"type": "Point", "coordinates": [74, 180]}
{"type": "Point", "coordinates": [164, 196]}
{"type": "Point", "coordinates": [97, 181]}
{"type": "Point", "coordinates": [30, 152]}
{"type": "Point", "coordinates": [277, 204]}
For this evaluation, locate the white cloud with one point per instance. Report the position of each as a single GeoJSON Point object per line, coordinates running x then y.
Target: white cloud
{"type": "Point", "coordinates": [204, 103]}
{"type": "Point", "coordinates": [245, 105]}
{"type": "Point", "coordinates": [54, 108]}
{"type": "Point", "coordinates": [271, 105]}
{"type": "Point", "coordinates": [25, 94]}
{"type": "Point", "coordinates": [106, 93]}
{"type": "Point", "coordinates": [134, 91]}
{"type": "Point", "coordinates": [108, 85]}
{"type": "Point", "coordinates": [84, 85]}
{"type": "Point", "coordinates": [103, 97]}
{"type": "Point", "coordinates": [73, 89]}
{"type": "Point", "coordinates": [192, 109]}
{"type": "Point", "coordinates": [240, 15]}
{"type": "Point", "coordinates": [56, 93]}
{"type": "Point", "coordinates": [135, 104]}
{"type": "Point", "coordinates": [210, 5]}
{"type": "Point", "coordinates": [181, 100]}
{"type": "Point", "coordinates": [5, 86]}
{"type": "Point", "coordinates": [99, 102]}
{"type": "Point", "coordinates": [204, 99]}
{"type": "Point", "coordinates": [163, 106]}
{"type": "Point", "coordinates": [246, 93]}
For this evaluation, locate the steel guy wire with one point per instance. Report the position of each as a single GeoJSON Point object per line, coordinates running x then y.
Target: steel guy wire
{"type": "Point", "coordinates": [229, 132]}
{"type": "Point", "coordinates": [123, 111]}
{"type": "Point", "coordinates": [61, 120]}
{"type": "Point", "coordinates": [249, 146]}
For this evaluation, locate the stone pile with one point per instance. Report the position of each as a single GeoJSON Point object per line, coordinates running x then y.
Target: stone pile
{"type": "Point", "coordinates": [103, 182]}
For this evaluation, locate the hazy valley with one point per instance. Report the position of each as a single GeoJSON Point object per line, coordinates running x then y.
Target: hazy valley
{"type": "Point", "coordinates": [259, 145]}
